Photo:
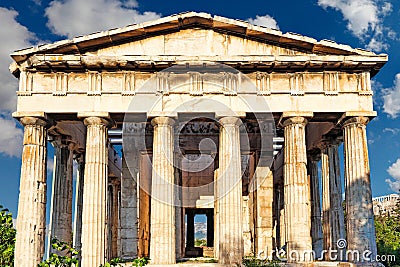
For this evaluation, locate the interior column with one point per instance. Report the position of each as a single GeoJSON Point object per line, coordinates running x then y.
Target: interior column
{"type": "Point", "coordinates": [333, 216]}
{"type": "Point", "coordinates": [61, 199]}
{"type": "Point", "coordinates": [144, 204]}
{"type": "Point", "coordinates": [115, 222]}
{"type": "Point", "coordinates": [77, 240]}
{"type": "Point", "coordinates": [316, 220]}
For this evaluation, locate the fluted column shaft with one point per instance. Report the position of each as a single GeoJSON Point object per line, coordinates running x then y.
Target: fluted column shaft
{"type": "Point", "coordinates": [297, 191]}
{"type": "Point", "coordinates": [114, 220]}
{"type": "Point", "coordinates": [360, 217]}
{"type": "Point", "coordinates": [79, 205]}
{"type": "Point", "coordinates": [333, 216]}
{"type": "Point", "coordinates": [326, 206]}
{"type": "Point", "coordinates": [94, 234]}
{"type": "Point", "coordinates": [230, 201]}
{"type": "Point", "coordinates": [144, 204]}
{"type": "Point", "coordinates": [162, 228]}
{"type": "Point", "coordinates": [61, 199]}
{"type": "Point", "coordinates": [31, 221]}
{"type": "Point", "coordinates": [316, 220]}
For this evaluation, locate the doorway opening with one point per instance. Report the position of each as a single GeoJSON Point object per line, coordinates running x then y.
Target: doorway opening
{"type": "Point", "coordinates": [199, 232]}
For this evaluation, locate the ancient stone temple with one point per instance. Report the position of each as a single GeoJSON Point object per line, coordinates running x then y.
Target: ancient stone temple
{"type": "Point", "coordinates": [190, 115]}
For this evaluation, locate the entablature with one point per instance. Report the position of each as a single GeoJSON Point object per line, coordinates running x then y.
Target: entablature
{"type": "Point", "coordinates": [194, 83]}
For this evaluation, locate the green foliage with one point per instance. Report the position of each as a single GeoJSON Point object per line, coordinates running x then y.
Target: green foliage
{"type": "Point", "coordinates": [61, 261]}
{"type": "Point", "coordinates": [211, 261]}
{"type": "Point", "coordinates": [254, 262]}
{"type": "Point", "coordinates": [387, 229]}
{"type": "Point", "coordinates": [7, 238]}
{"type": "Point", "coordinates": [200, 242]}
{"type": "Point", "coordinates": [139, 262]}
{"type": "Point", "coordinates": [112, 262]}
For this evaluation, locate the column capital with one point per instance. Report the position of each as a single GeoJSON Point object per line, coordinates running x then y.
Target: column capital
{"type": "Point", "coordinates": [294, 120]}
{"type": "Point", "coordinates": [63, 141]}
{"type": "Point", "coordinates": [162, 121]}
{"type": "Point", "coordinates": [80, 158]}
{"type": "Point", "coordinates": [328, 141]}
{"type": "Point", "coordinates": [315, 155]}
{"type": "Point", "coordinates": [355, 120]}
{"type": "Point", "coordinates": [230, 121]}
{"type": "Point", "coordinates": [39, 121]}
{"type": "Point", "coordinates": [97, 121]}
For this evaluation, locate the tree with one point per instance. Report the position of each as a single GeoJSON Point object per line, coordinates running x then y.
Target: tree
{"type": "Point", "coordinates": [7, 238]}
{"type": "Point", "coordinates": [387, 227]}
{"type": "Point", "coordinates": [61, 261]}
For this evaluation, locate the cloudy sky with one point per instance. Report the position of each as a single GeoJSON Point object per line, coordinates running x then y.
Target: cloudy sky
{"type": "Point", "coordinates": [368, 24]}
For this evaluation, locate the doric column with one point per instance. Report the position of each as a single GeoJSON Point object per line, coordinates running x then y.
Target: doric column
{"type": "Point", "coordinates": [144, 204]}
{"type": "Point", "coordinates": [297, 191]}
{"type": "Point", "coordinates": [94, 234]}
{"type": "Point", "coordinates": [114, 225]}
{"type": "Point", "coordinates": [31, 222]}
{"type": "Point", "coordinates": [80, 175]}
{"type": "Point", "coordinates": [333, 216]}
{"type": "Point", "coordinates": [326, 214]}
{"type": "Point", "coordinates": [316, 220]}
{"type": "Point", "coordinates": [61, 199]}
{"type": "Point", "coordinates": [162, 228]}
{"type": "Point", "coordinates": [360, 217]}
{"type": "Point", "coordinates": [229, 183]}
{"type": "Point", "coordinates": [129, 222]}
{"type": "Point", "coordinates": [281, 240]}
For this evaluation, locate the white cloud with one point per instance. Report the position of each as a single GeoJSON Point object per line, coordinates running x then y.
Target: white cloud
{"type": "Point", "coordinates": [75, 17]}
{"type": "Point", "coordinates": [391, 98]}
{"type": "Point", "coordinates": [394, 171]}
{"type": "Point", "coordinates": [377, 44]}
{"type": "Point", "coordinates": [364, 19]}
{"type": "Point", "coordinates": [37, 2]}
{"type": "Point", "coordinates": [393, 131]}
{"type": "Point", "coordinates": [10, 138]}
{"type": "Point", "coordinates": [15, 36]}
{"type": "Point", "coordinates": [266, 21]}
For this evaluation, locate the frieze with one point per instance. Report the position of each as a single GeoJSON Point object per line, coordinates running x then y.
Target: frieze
{"type": "Point", "coordinates": [129, 83]}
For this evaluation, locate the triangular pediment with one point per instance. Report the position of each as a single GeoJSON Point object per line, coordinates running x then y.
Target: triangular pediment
{"type": "Point", "coordinates": [198, 42]}
{"type": "Point", "coordinates": [192, 34]}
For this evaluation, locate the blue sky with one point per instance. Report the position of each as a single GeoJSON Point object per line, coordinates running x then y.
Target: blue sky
{"type": "Point", "coordinates": [369, 24]}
